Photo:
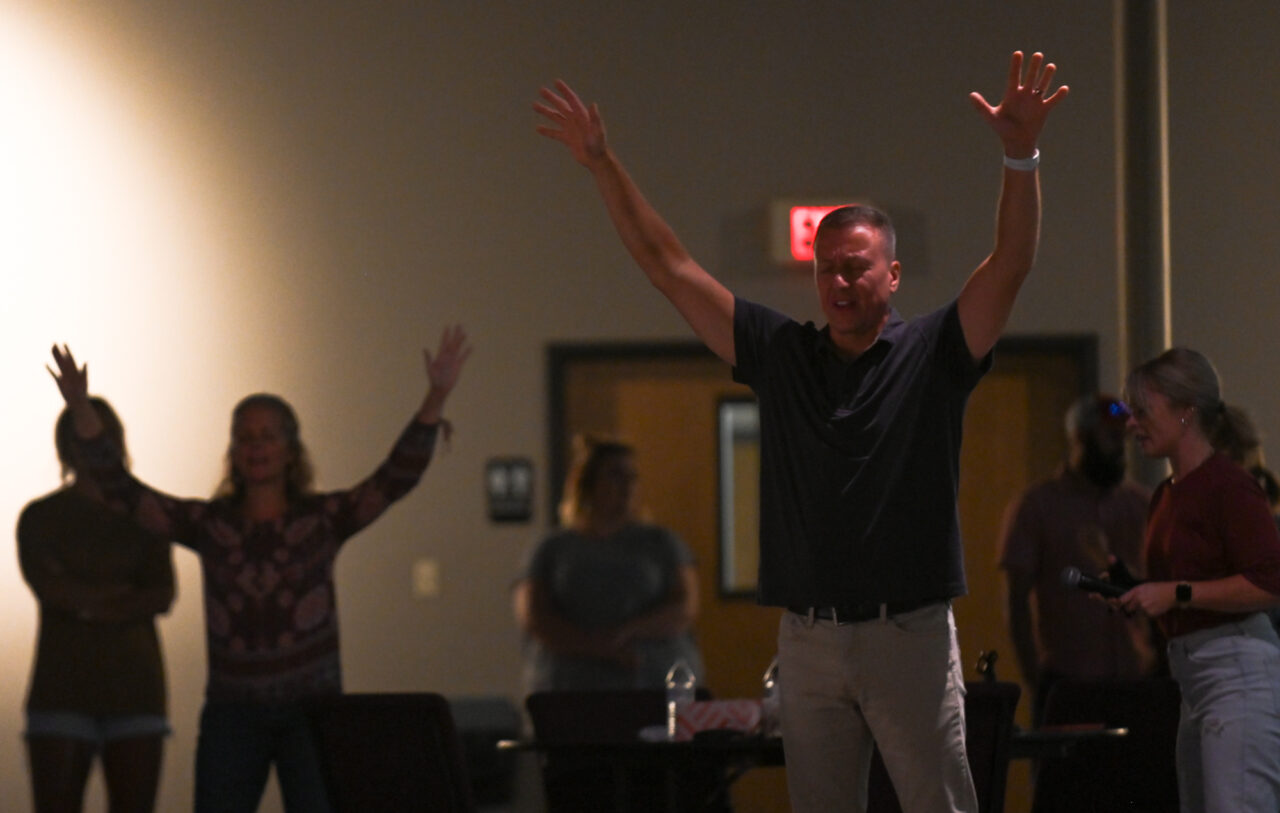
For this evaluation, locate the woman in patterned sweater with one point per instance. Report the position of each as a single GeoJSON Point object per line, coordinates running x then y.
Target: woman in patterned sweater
{"type": "Point", "coordinates": [267, 545]}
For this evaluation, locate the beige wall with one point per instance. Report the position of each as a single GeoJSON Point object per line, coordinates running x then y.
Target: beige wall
{"type": "Point", "coordinates": [323, 185]}
{"type": "Point", "coordinates": [1225, 244]}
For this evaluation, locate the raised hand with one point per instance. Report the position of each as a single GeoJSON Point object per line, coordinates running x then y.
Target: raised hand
{"type": "Point", "coordinates": [73, 381]}
{"type": "Point", "coordinates": [1020, 115]}
{"type": "Point", "coordinates": [573, 124]}
{"type": "Point", "coordinates": [445, 367]}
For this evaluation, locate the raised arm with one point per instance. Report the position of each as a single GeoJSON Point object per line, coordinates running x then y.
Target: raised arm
{"type": "Point", "coordinates": [703, 302]}
{"type": "Point", "coordinates": [73, 383]}
{"type": "Point", "coordinates": [987, 297]}
{"type": "Point", "coordinates": [356, 507]}
{"type": "Point", "coordinates": [100, 460]}
{"type": "Point", "coordinates": [443, 370]}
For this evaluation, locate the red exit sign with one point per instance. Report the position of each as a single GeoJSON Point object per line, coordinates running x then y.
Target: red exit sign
{"type": "Point", "coordinates": [792, 225]}
{"type": "Point", "coordinates": [804, 224]}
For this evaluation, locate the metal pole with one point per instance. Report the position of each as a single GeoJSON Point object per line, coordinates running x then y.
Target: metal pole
{"type": "Point", "coordinates": [1142, 191]}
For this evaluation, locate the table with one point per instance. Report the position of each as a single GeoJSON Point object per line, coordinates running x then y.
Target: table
{"type": "Point", "coordinates": [693, 775]}
{"type": "Point", "coordinates": [1059, 740]}
{"type": "Point", "coordinates": [1024, 744]}
{"type": "Point", "coordinates": [724, 757]}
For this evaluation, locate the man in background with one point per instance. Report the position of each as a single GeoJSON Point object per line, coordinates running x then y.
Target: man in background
{"type": "Point", "coordinates": [1087, 516]}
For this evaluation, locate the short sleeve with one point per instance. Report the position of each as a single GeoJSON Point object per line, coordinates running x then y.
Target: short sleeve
{"type": "Point", "coordinates": [1251, 541]}
{"type": "Point", "coordinates": [680, 550]}
{"type": "Point", "coordinates": [953, 351]}
{"type": "Point", "coordinates": [1018, 549]}
{"type": "Point", "coordinates": [35, 566]}
{"type": "Point", "coordinates": [535, 562]}
{"type": "Point", "coordinates": [753, 329]}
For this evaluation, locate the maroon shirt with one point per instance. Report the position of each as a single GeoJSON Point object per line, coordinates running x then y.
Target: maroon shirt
{"type": "Point", "coordinates": [1212, 523]}
{"type": "Point", "coordinates": [1067, 521]}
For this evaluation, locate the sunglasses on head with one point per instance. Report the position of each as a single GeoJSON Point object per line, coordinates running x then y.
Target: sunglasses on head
{"type": "Point", "coordinates": [1112, 409]}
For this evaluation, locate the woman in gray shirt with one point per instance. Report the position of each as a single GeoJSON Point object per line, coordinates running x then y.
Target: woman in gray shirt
{"type": "Point", "coordinates": [608, 601]}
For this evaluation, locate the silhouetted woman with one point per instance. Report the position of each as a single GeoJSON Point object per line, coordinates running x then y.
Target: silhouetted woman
{"type": "Point", "coordinates": [97, 687]}
{"type": "Point", "coordinates": [267, 545]}
{"type": "Point", "coordinates": [1213, 560]}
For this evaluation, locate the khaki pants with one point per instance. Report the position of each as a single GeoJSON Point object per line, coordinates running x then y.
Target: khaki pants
{"type": "Point", "coordinates": [896, 682]}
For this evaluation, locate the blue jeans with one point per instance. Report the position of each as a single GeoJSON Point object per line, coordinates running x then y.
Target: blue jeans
{"type": "Point", "coordinates": [1229, 733]}
{"type": "Point", "coordinates": [237, 745]}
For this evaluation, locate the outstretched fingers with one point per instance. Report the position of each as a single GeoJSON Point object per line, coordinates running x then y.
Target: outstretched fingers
{"type": "Point", "coordinates": [63, 357]}
{"type": "Point", "coordinates": [453, 344]}
{"type": "Point", "coordinates": [1014, 80]}
{"type": "Point", "coordinates": [72, 381]}
{"type": "Point", "coordinates": [1021, 112]}
{"type": "Point", "coordinates": [984, 108]}
{"type": "Point", "coordinates": [1033, 70]}
{"type": "Point", "coordinates": [1040, 79]}
{"type": "Point", "coordinates": [445, 367]}
{"type": "Point", "coordinates": [564, 98]}
{"type": "Point", "coordinates": [1046, 77]}
{"type": "Point", "coordinates": [561, 106]}
{"type": "Point", "coordinates": [555, 112]}
{"type": "Point", "coordinates": [569, 121]}
{"type": "Point", "coordinates": [1057, 96]}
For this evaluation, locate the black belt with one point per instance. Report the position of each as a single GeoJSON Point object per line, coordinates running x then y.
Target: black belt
{"type": "Point", "coordinates": [853, 613]}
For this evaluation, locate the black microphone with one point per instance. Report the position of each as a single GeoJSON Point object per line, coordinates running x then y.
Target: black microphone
{"type": "Point", "coordinates": [1072, 577]}
{"type": "Point", "coordinates": [1119, 574]}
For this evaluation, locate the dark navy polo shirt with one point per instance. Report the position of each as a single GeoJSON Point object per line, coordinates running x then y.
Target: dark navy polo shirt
{"type": "Point", "coordinates": [860, 460]}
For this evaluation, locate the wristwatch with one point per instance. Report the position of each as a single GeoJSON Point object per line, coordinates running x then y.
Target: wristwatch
{"type": "Point", "coordinates": [1182, 594]}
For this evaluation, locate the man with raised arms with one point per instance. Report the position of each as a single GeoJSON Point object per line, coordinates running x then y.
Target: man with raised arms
{"type": "Point", "coordinates": [860, 444]}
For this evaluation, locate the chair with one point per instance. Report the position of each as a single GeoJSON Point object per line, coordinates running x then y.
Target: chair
{"type": "Point", "coordinates": [988, 717]}
{"type": "Point", "coordinates": [482, 722]}
{"type": "Point", "coordinates": [390, 752]}
{"type": "Point", "coordinates": [576, 779]}
{"type": "Point", "coordinates": [1135, 773]}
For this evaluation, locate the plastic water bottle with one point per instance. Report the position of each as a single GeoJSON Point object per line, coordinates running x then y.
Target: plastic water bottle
{"type": "Point", "coordinates": [682, 687]}
{"type": "Point", "coordinates": [771, 702]}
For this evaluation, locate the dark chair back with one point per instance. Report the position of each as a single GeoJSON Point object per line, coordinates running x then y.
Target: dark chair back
{"type": "Point", "coordinates": [1136, 773]}
{"type": "Point", "coordinates": [391, 752]}
{"type": "Point", "coordinates": [576, 780]}
{"type": "Point", "coordinates": [482, 722]}
{"type": "Point", "coordinates": [989, 707]}
{"type": "Point", "coordinates": [590, 716]}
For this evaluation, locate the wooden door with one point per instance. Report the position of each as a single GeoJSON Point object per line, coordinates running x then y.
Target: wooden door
{"type": "Point", "coordinates": [664, 402]}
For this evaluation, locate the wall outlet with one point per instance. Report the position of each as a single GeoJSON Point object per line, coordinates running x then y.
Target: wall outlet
{"type": "Point", "coordinates": [426, 578]}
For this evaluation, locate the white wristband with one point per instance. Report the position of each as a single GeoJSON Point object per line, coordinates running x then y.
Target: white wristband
{"type": "Point", "coordinates": [1023, 164]}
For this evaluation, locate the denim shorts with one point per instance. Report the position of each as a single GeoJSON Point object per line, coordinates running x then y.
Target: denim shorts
{"type": "Point", "coordinates": [96, 729]}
